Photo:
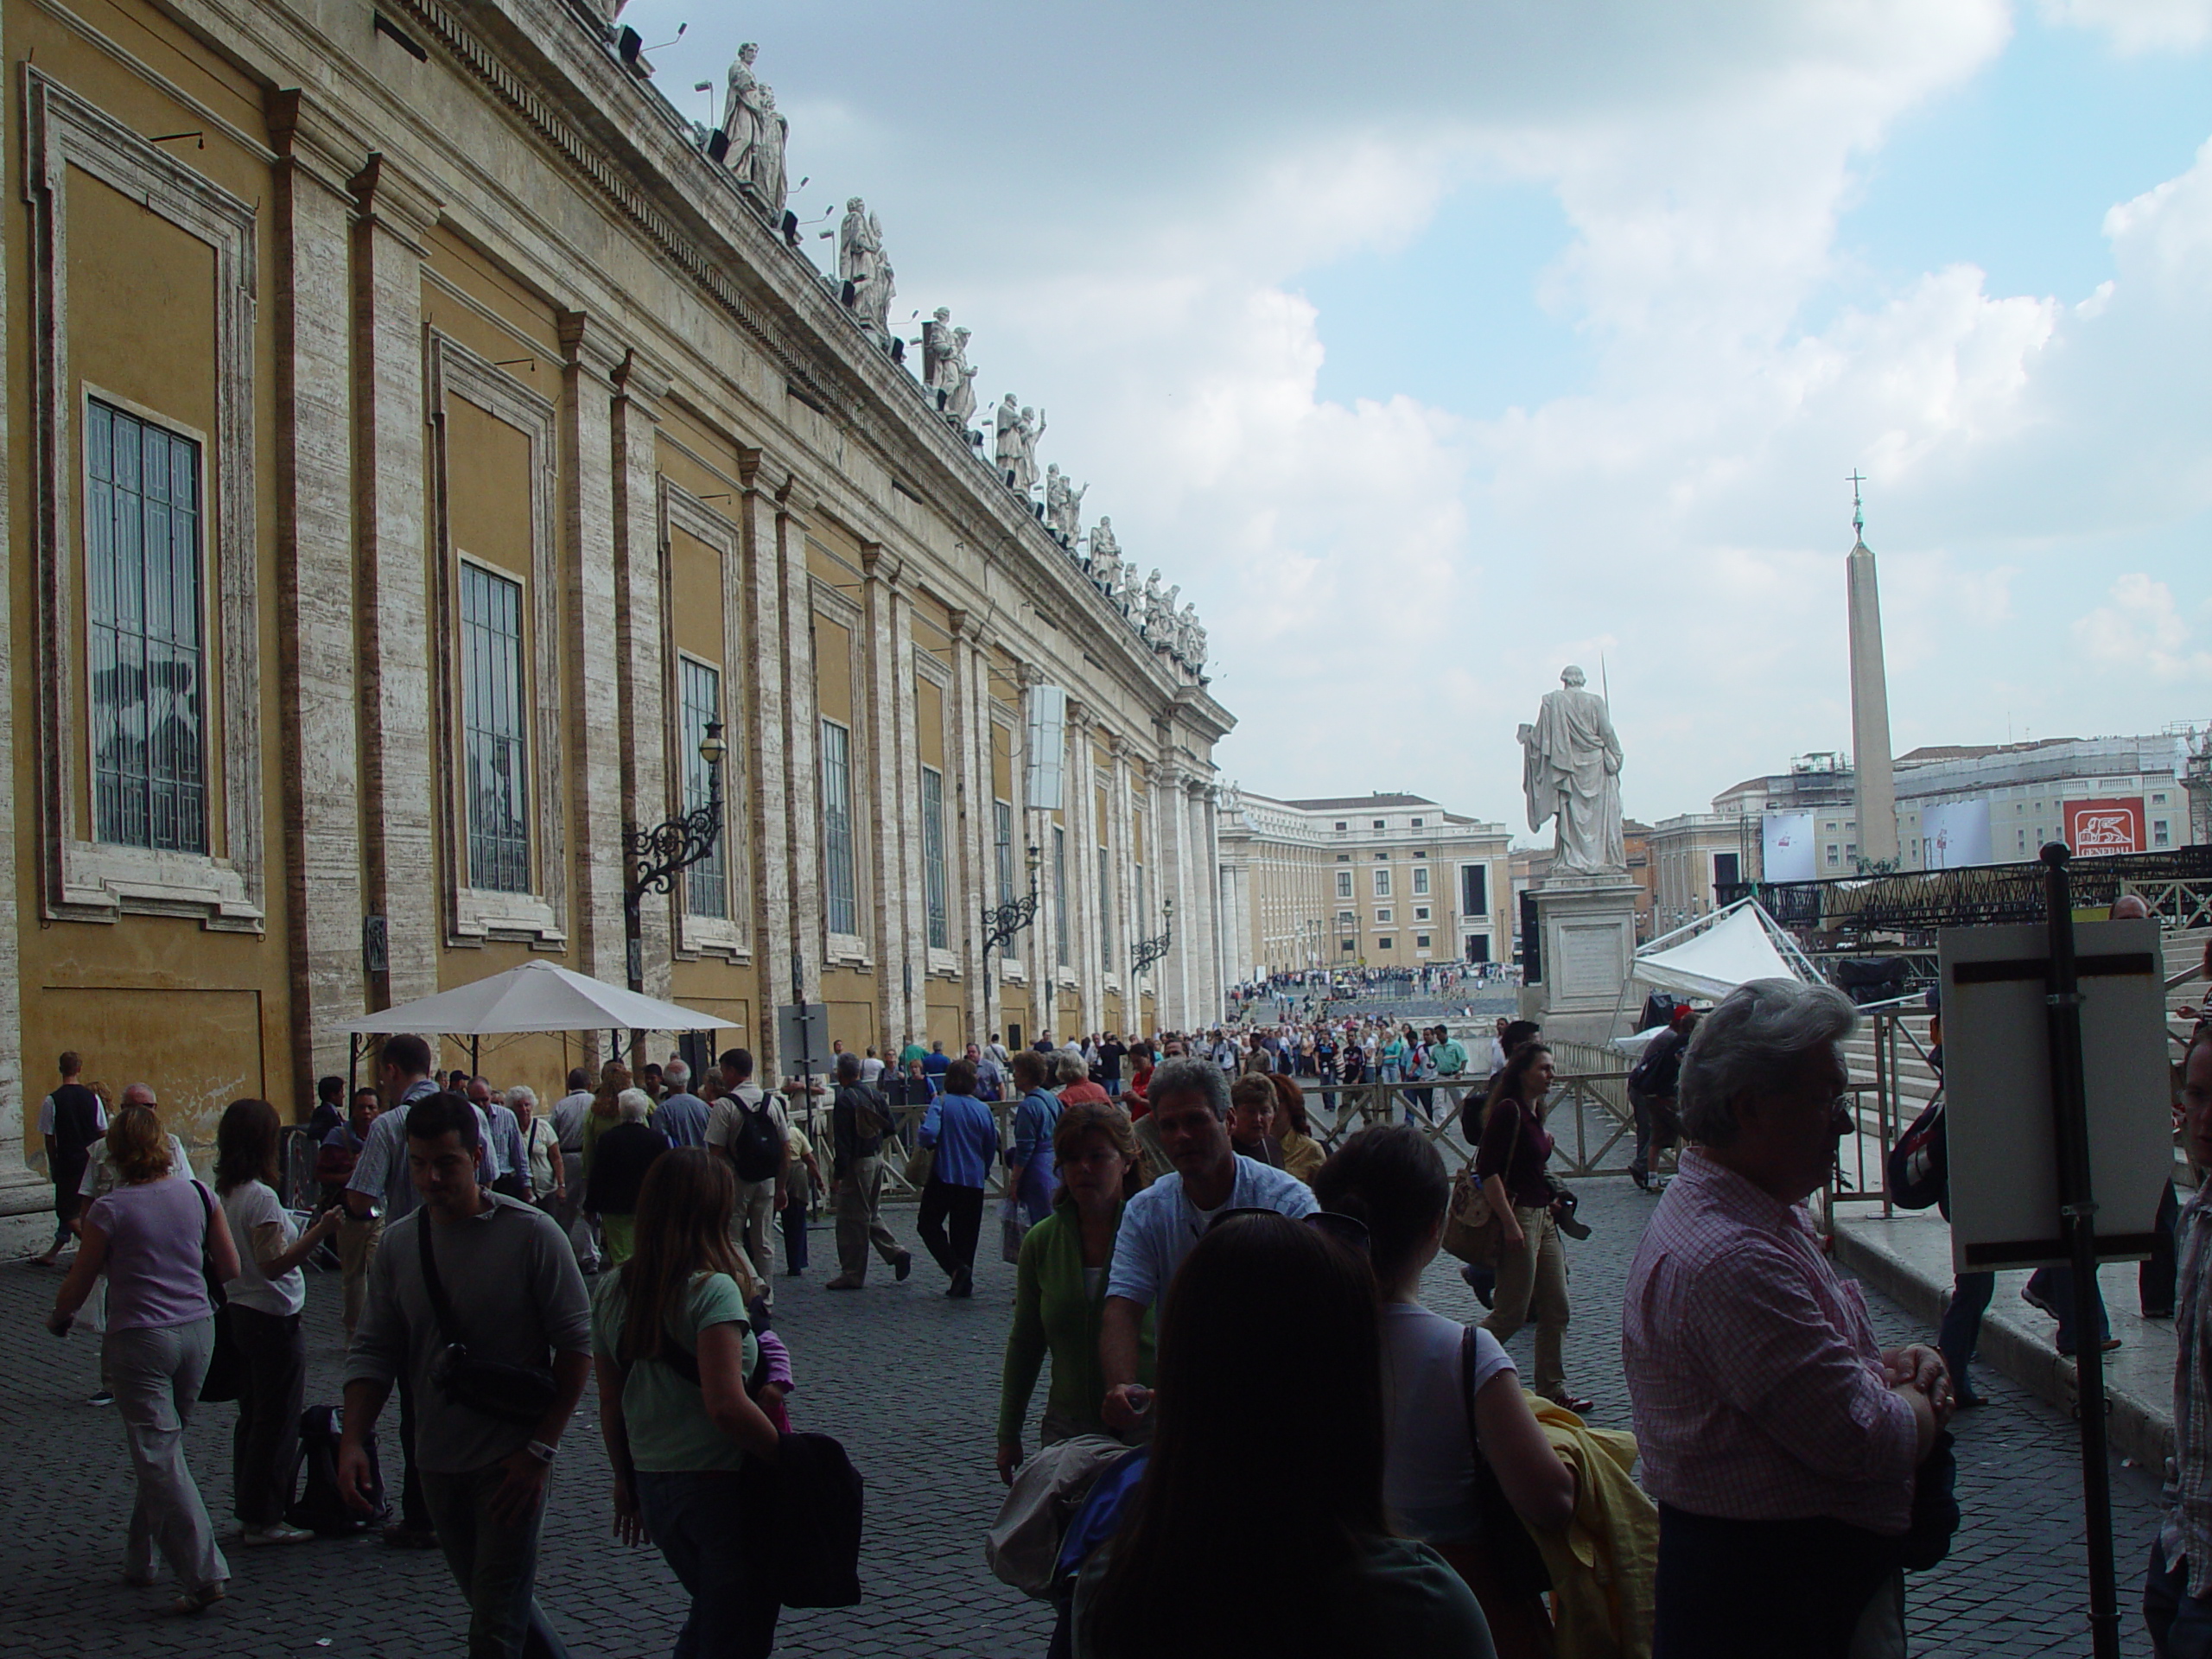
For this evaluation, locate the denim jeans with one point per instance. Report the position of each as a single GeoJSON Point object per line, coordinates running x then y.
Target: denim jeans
{"type": "Point", "coordinates": [495, 1563]}
{"type": "Point", "coordinates": [1970, 1294]}
{"type": "Point", "coordinates": [2180, 1624]}
{"type": "Point", "coordinates": [695, 1517]}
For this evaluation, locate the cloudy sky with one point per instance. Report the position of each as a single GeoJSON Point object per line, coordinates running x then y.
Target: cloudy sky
{"type": "Point", "coordinates": [1430, 347]}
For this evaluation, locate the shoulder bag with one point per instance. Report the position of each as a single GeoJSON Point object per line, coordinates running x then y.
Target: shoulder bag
{"type": "Point", "coordinates": [1473, 1231]}
{"type": "Point", "coordinates": [226, 1377]}
{"type": "Point", "coordinates": [521, 1395]}
{"type": "Point", "coordinates": [1501, 1562]}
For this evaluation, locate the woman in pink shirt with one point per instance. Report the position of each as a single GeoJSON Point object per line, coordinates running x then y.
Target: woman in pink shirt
{"type": "Point", "coordinates": [158, 1234]}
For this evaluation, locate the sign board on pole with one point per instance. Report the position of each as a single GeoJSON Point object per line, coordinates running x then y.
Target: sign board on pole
{"type": "Point", "coordinates": [1786, 845]}
{"type": "Point", "coordinates": [1997, 1088]}
{"type": "Point", "coordinates": [802, 1029]}
{"type": "Point", "coordinates": [1954, 834]}
{"type": "Point", "coordinates": [2095, 828]}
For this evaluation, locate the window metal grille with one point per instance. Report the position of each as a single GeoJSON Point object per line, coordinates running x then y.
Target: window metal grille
{"type": "Point", "coordinates": [493, 749]}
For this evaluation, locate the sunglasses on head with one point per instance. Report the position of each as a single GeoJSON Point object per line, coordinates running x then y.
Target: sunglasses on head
{"type": "Point", "coordinates": [1345, 1229]}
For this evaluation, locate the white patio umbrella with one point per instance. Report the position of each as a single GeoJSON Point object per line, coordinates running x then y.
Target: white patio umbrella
{"type": "Point", "coordinates": [537, 996]}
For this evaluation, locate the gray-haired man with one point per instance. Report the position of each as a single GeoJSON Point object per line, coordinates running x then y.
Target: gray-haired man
{"type": "Point", "coordinates": [1190, 1104]}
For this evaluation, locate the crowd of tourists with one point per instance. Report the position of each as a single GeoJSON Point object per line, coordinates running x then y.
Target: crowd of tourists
{"type": "Point", "coordinates": [1208, 1283]}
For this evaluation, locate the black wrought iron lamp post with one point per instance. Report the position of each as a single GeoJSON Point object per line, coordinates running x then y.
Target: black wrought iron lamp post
{"type": "Point", "coordinates": [1002, 922]}
{"type": "Point", "coordinates": [657, 856]}
{"type": "Point", "coordinates": [1151, 951]}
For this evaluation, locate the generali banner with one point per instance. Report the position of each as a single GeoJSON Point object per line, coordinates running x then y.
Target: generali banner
{"type": "Point", "coordinates": [2097, 827]}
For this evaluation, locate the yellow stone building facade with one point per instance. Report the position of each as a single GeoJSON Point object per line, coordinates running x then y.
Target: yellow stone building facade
{"type": "Point", "coordinates": [413, 440]}
{"type": "Point", "coordinates": [1359, 881]}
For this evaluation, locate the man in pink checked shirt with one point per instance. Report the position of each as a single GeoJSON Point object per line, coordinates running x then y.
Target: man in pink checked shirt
{"type": "Point", "coordinates": [1780, 1442]}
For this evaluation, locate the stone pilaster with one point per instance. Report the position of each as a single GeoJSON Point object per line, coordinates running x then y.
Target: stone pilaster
{"type": "Point", "coordinates": [766, 743]}
{"type": "Point", "coordinates": [641, 659]}
{"type": "Point", "coordinates": [1213, 968]}
{"type": "Point", "coordinates": [904, 767]}
{"type": "Point", "coordinates": [877, 739]}
{"type": "Point", "coordinates": [1084, 835]}
{"type": "Point", "coordinates": [1172, 826]}
{"type": "Point", "coordinates": [971, 874]}
{"type": "Point", "coordinates": [802, 777]}
{"type": "Point", "coordinates": [398, 800]}
{"type": "Point", "coordinates": [317, 721]}
{"type": "Point", "coordinates": [591, 677]}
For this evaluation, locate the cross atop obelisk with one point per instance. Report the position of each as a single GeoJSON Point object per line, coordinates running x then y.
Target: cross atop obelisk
{"type": "Point", "coordinates": [1869, 697]}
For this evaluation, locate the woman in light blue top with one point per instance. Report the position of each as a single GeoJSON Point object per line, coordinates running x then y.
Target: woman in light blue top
{"type": "Point", "coordinates": [1032, 1176]}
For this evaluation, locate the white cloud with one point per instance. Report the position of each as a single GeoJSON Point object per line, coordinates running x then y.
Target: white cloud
{"type": "Point", "coordinates": [2142, 629]}
{"type": "Point", "coordinates": [2137, 26]}
{"type": "Point", "coordinates": [1122, 203]}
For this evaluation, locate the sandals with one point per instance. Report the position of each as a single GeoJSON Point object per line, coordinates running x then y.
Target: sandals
{"type": "Point", "coordinates": [1574, 1402]}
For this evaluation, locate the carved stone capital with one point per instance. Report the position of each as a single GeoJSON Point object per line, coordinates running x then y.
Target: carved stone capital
{"type": "Point", "coordinates": [392, 196]}
{"type": "Point", "coordinates": [643, 381]}
{"type": "Point", "coordinates": [1029, 675]}
{"type": "Point", "coordinates": [588, 343]}
{"type": "Point", "coordinates": [1119, 747]}
{"type": "Point", "coordinates": [879, 563]}
{"type": "Point", "coordinates": [309, 136]}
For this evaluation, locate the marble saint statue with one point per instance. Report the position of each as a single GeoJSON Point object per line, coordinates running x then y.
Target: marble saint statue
{"type": "Point", "coordinates": [741, 112]}
{"type": "Point", "coordinates": [1104, 561]}
{"type": "Point", "coordinates": [960, 398]}
{"type": "Point", "coordinates": [937, 371]}
{"type": "Point", "coordinates": [1572, 771]}
{"type": "Point", "coordinates": [1132, 594]}
{"type": "Point", "coordinates": [1008, 455]}
{"type": "Point", "coordinates": [1153, 602]}
{"type": "Point", "coordinates": [770, 182]}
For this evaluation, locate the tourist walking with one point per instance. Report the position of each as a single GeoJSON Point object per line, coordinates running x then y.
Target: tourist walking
{"type": "Point", "coordinates": [1059, 1293]}
{"type": "Point", "coordinates": [672, 1346]}
{"type": "Point", "coordinates": [1029, 1175]}
{"type": "Point", "coordinates": [70, 1119]}
{"type": "Point", "coordinates": [334, 1165]}
{"type": "Point", "coordinates": [964, 1138]}
{"type": "Point", "coordinates": [546, 1171]}
{"type": "Point", "coordinates": [261, 1310]}
{"type": "Point", "coordinates": [474, 1268]}
{"type": "Point", "coordinates": [859, 1119]}
{"type": "Point", "coordinates": [1783, 1447]}
{"type": "Point", "coordinates": [682, 1116]}
{"type": "Point", "coordinates": [1439, 1377]}
{"type": "Point", "coordinates": [1509, 1163]}
{"type": "Point", "coordinates": [753, 1129]}
{"type": "Point", "coordinates": [158, 1236]}
{"type": "Point", "coordinates": [1190, 1108]}
{"type": "Point", "coordinates": [1252, 1119]}
{"type": "Point", "coordinates": [1252, 1530]}
{"type": "Point", "coordinates": [619, 1164]}
{"type": "Point", "coordinates": [1299, 1154]}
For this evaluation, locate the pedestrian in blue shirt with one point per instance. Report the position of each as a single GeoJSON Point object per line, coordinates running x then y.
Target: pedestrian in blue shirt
{"type": "Point", "coordinates": [965, 1137]}
{"type": "Point", "coordinates": [1032, 1178]}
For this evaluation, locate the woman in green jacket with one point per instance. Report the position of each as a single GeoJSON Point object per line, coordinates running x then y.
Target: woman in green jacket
{"type": "Point", "coordinates": [1060, 1284]}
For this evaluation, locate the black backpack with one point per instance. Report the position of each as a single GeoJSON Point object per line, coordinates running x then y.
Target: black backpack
{"type": "Point", "coordinates": [804, 1517]}
{"type": "Point", "coordinates": [321, 1508]}
{"type": "Point", "coordinates": [1659, 1072]}
{"type": "Point", "coordinates": [756, 1148]}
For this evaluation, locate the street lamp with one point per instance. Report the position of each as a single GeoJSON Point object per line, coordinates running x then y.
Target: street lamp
{"type": "Point", "coordinates": [1002, 922]}
{"type": "Point", "coordinates": [1151, 951]}
{"type": "Point", "coordinates": [655, 857]}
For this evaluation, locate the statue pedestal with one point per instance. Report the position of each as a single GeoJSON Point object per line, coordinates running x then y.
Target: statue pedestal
{"type": "Point", "coordinates": [1587, 926]}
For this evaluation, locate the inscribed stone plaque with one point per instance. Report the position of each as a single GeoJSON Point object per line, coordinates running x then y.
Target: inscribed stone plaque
{"type": "Point", "coordinates": [1590, 960]}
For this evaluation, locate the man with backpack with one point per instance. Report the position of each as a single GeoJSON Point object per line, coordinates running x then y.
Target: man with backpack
{"type": "Point", "coordinates": [754, 1131]}
{"type": "Point", "coordinates": [1651, 1087]}
{"type": "Point", "coordinates": [860, 1117]}
{"type": "Point", "coordinates": [70, 1119]}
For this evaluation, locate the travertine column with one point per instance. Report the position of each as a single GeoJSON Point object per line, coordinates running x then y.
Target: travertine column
{"type": "Point", "coordinates": [1084, 835]}
{"type": "Point", "coordinates": [641, 663]}
{"type": "Point", "coordinates": [765, 738]}
{"type": "Point", "coordinates": [803, 779]}
{"type": "Point", "coordinates": [904, 766]}
{"type": "Point", "coordinates": [318, 720]}
{"type": "Point", "coordinates": [879, 735]}
{"type": "Point", "coordinates": [398, 784]}
{"type": "Point", "coordinates": [1173, 825]}
{"type": "Point", "coordinates": [1215, 978]}
{"type": "Point", "coordinates": [971, 866]}
{"type": "Point", "coordinates": [590, 677]}
{"type": "Point", "coordinates": [1035, 828]}
{"type": "Point", "coordinates": [1128, 926]}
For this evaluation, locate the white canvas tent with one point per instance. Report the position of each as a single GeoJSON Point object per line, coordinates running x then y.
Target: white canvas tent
{"type": "Point", "coordinates": [537, 996]}
{"type": "Point", "coordinates": [1713, 956]}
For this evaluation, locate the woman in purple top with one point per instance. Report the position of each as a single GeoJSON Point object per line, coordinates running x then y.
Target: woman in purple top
{"type": "Point", "coordinates": [1531, 1266]}
{"type": "Point", "coordinates": [149, 1234]}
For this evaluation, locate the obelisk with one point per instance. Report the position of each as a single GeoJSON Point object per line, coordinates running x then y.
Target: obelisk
{"type": "Point", "coordinates": [1870, 700]}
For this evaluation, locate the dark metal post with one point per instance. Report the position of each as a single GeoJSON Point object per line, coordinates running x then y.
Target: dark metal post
{"type": "Point", "coordinates": [2077, 1215]}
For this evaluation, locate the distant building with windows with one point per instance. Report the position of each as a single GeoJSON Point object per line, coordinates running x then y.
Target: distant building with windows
{"type": "Point", "coordinates": [1359, 881]}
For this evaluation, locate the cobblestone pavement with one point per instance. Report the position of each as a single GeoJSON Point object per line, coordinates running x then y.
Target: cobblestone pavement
{"type": "Point", "coordinates": [908, 1381]}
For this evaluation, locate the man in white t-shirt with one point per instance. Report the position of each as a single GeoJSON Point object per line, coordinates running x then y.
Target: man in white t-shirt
{"type": "Point", "coordinates": [742, 1102]}
{"type": "Point", "coordinates": [1190, 1104]}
